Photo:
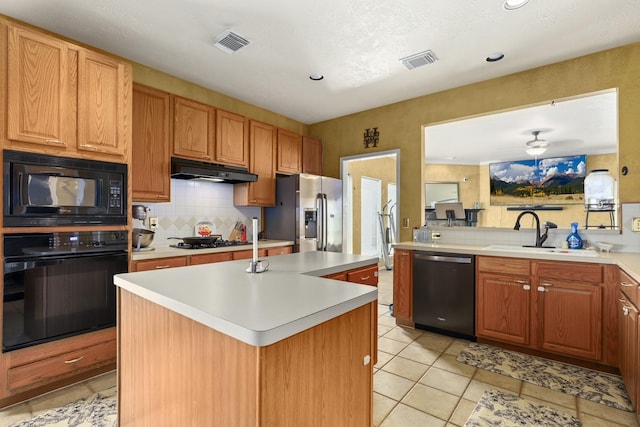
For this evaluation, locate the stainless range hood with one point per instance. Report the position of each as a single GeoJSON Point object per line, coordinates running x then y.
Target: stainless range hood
{"type": "Point", "coordinates": [201, 171]}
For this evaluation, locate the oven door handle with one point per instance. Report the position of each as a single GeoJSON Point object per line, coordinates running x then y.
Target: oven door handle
{"type": "Point", "coordinates": [15, 266]}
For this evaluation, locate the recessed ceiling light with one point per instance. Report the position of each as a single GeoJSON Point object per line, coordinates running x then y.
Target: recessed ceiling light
{"type": "Point", "coordinates": [316, 77]}
{"type": "Point", "coordinates": [514, 4]}
{"type": "Point", "coordinates": [495, 57]}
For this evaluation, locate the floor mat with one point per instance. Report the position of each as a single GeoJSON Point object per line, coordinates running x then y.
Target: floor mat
{"type": "Point", "coordinates": [498, 409]}
{"type": "Point", "coordinates": [99, 410]}
{"type": "Point", "coordinates": [588, 384]}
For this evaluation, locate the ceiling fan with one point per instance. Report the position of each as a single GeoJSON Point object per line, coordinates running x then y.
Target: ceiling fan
{"type": "Point", "coordinates": [536, 146]}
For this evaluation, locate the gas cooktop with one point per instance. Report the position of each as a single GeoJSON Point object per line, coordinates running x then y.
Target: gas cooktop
{"type": "Point", "coordinates": [219, 243]}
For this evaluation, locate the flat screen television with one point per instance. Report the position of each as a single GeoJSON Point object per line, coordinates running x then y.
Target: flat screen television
{"type": "Point", "coordinates": [538, 182]}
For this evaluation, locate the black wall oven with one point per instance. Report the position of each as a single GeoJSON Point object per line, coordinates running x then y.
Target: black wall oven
{"type": "Point", "coordinates": [43, 190]}
{"type": "Point", "coordinates": [59, 284]}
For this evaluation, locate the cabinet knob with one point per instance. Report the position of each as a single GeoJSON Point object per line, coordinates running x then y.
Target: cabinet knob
{"type": "Point", "coordinates": [526, 287]}
{"type": "Point", "coordinates": [366, 360]}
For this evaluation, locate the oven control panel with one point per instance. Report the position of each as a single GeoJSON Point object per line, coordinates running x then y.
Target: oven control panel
{"type": "Point", "coordinates": [21, 244]}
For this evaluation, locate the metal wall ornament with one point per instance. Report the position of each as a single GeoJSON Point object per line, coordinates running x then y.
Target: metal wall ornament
{"type": "Point", "coordinates": [371, 137]}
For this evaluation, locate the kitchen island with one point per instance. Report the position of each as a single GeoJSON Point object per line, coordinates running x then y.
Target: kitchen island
{"type": "Point", "coordinates": [213, 345]}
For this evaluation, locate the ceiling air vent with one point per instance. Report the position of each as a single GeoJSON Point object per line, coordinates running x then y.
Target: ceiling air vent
{"type": "Point", "coordinates": [230, 42]}
{"type": "Point", "coordinates": [419, 59]}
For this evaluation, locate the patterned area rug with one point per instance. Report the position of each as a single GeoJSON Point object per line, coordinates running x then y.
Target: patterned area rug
{"type": "Point", "coordinates": [498, 409]}
{"type": "Point", "coordinates": [587, 384]}
{"type": "Point", "coordinates": [99, 410]}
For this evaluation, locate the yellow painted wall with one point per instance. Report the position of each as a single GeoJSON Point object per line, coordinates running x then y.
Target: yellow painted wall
{"type": "Point", "coordinates": [383, 169]}
{"type": "Point", "coordinates": [401, 124]}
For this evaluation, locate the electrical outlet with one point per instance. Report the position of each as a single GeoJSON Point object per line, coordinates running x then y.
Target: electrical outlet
{"type": "Point", "coordinates": [636, 224]}
{"type": "Point", "coordinates": [153, 222]}
{"type": "Point", "coordinates": [435, 236]}
{"type": "Point", "coordinates": [405, 222]}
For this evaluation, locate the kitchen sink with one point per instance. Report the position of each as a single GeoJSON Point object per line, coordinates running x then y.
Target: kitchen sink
{"type": "Point", "coordinates": [551, 251]}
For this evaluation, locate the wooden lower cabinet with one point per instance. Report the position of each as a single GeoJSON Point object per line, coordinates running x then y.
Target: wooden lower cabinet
{"type": "Point", "coordinates": [210, 258]}
{"type": "Point", "coordinates": [550, 306]}
{"type": "Point", "coordinates": [403, 287]}
{"type": "Point", "coordinates": [629, 357]}
{"type": "Point", "coordinates": [35, 370]}
{"type": "Point", "coordinates": [175, 371]}
{"type": "Point", "coordinates": [159, 263]}
{"type": "Point", "coordinates": [248, 254]}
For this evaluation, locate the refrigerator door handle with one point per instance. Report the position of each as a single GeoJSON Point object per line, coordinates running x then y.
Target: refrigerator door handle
{"type": "Point", "coordinates": [325, 222]}
{"type": "Point", "coordinates": [319, 222]}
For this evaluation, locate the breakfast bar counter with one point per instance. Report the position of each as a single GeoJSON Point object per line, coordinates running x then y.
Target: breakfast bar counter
{"type": "Point", "coordinates": [214, 345]}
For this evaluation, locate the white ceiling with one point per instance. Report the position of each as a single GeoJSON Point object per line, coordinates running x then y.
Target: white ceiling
{"type": "Point", "coordinates": [585, 125]}
{"type": "Point", "coordinates": [355, 44]}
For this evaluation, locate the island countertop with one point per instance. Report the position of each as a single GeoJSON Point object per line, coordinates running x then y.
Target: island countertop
{"type": "Point", "coordinates": [261, 308]}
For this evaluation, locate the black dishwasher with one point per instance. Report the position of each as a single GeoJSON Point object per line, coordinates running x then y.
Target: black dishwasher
{"type": "Point", "coordinates": [444, 293]}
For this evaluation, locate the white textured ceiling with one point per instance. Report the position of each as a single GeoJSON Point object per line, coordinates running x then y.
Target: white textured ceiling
{"type": "Point", "coordinates": [356, 44]}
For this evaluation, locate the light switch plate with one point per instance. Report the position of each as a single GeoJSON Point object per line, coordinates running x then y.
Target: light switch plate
{"type": "Point", "coordinates": [636, 224]}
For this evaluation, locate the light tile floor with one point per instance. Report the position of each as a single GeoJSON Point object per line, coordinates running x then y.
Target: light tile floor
{"type": "Point", "coordinates": [417, 382]}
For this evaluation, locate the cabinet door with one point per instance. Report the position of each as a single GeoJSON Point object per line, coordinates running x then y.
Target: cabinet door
{"type": "Point", "coordinates": [502, 307]}
{"type": "Point", "coordinates": [232, 144]}
{"type": "Point", "coordinates": [570, 318]}
{"type": "Point", "coordinates": [628, 336]}
{"type": "Point", "coordinates": [262, 162]}
{"type": "Point", "coordinates": [103, 88]}
{"type": "Point", "coordinates": [311, 155]}
{"type": "Point", "coordinates": [159, 264]}
{"type": "Point", "coordinates": [289, 159]}
{"type": "Point", "coordinates": [151, 168]}
{"type": "Point", "coordinates": [193, 129]}
{"type": "Point", "coordinates": [403, 286]}
{"type": "Point", "coordinates": [41, 100]}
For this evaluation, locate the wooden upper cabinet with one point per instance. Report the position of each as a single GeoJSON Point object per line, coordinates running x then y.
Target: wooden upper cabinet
{"type": "Point", "coordinates": [102, 91]}
{"type": "Point", "coordinates": [289, 159]}
{"type": "Point", "coordinates": [232, 142]}
{"type": "Point", "coordinates": [193, 130]}
{"type": "Point", "coordinates": [311, 155]}
{"type": "Point", "coordinates": [151, 151]}
{"type": "Point", "coordinates": [41, 99]}
{"type": "Point", "coordinates": [263, 152]}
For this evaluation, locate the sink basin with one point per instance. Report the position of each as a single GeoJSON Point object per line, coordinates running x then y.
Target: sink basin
{"type": "Point", "coordinates": [551, 251]}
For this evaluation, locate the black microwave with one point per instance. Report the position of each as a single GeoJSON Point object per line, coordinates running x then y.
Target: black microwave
{"type": "Point", "coordinates": [43, 190]}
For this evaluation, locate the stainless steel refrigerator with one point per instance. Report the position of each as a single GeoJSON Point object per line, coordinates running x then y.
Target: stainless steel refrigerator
{"type": "Point", "coordinates": [308, 211]}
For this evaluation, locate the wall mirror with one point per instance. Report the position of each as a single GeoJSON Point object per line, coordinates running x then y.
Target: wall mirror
{"type": "Point", "coordinates": [440, 192]}
{"type": "Point", "coordinates": [461, 151]}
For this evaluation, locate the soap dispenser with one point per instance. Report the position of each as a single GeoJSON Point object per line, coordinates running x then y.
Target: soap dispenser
{"type": "Point", "coordinates": [573, 239]}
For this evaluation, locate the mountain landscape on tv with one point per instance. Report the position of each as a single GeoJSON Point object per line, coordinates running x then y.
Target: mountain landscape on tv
{"type": "Point", "coordinates": [551, 181]}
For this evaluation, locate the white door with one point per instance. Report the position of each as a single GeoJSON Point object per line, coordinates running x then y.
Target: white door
{"type": "Point", "coordinates": [370, 239]}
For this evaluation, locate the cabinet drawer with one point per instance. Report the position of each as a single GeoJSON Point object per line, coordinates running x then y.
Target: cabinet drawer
{"type": "Point", "coordinates": [248, 254]}
{"type": "Point", "coordinates": [280, 251]}
{"type": "Point", "coordinates": [338, 276]}
{"type": "Point", "coordinates": [572, 271]}
{"type": "Point", "coordinates": [158, 264]}
{"type": "Point", "coordinates": [63, 365]}
{"type": "Point", "coordinates": [504, 265]}
{"type": "Point", "coordinates": [365, 276]}
{"type": "Point", "coordinates": [629, 287]}
{"type": "Point", "coordinates": [209, 258]}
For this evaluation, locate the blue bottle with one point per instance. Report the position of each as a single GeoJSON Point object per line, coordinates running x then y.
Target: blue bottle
{"type": "Point", "coordinates": [574, 239]}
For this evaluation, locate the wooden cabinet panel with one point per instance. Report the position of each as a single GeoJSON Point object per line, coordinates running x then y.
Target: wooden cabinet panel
{"type": "Point", "coordinates": [159, 264]}
{"type": "Point", "coordinates": [283, 250]}
{"type": "Point", "coordinates": [311, 155]}
{"type": "Point", "coordinates": [193, 129]}
{"type": "Point", "coordinates": [629, 287]}
{"type": "Point", "coordinates": [263, 152]}
{"type": "Point", "coordinates": [403, 286]}
{"type": "Point", "coordinates": [570, 318]}
{"type": "Point", "coordinates": [209, 258]}
{"type": "Point", "coordinates": [248, 254]}
{"type": "Point", "coordinates": [232, 143]}
{"type": "Point", "coordinates": [102, 88]}
{"type": "Point", "coordinates": [289, 159]}
{"type": "Point", "coordinates": [629, 347]}
{"type": "Point", "coordinates": [365, 276]}
{"type": "Point", "coordinates": [40, 104]}
{"type": "Point", "coordinates": [574, 271]}
{"type": "Point", "coordinates": [507, 266]}
{"type": "Point", "coordinates": [338, 276]}
{"type": "Point", "coordinates": [502, 307]}
{"type": "Point", "coordinates": [151, 151]}
{"type": "Point", "coordinates": [67, 364]}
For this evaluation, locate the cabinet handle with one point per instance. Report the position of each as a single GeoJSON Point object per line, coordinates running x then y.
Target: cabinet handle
{"type": "Point", "coordinates": [206, 157]}
{"type": "Point", "coordinates": [56, 141]}
{"type": "Point", "coordinates": [159, 267]}
{"type": "Point", "coordinates": [365, 278]}
{"type": "Point", "coordinates": [521, 282]}
{"type": "Point", "coordinates": [546, 285]}
{"type": "Point", "coordinates": [77, 359]}
{"type": "Point", "coordinates": [622, 300]}
{"type": "Point", "coordinates": [161, 196]}
{"type": "Point", "coordinates": [89, 147]}
{"type": "Point", "coordinates": [627, 284]}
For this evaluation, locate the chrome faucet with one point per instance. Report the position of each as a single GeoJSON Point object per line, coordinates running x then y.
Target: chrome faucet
{"type": "Point", "coordinates": [547, 225]}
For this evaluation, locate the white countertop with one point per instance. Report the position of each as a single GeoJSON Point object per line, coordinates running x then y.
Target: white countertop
{"type": "Point", "coordinates": [258, 309]}
{"type": "Point", "coordinates": [628, 261]}
{"type": "Point", "coordinates": [154, 252]}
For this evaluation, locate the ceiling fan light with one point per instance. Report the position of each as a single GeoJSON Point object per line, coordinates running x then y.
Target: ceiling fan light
{"type": "Point", "coordinates": [535, 151]}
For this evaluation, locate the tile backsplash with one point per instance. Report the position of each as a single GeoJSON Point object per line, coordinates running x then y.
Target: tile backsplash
{"type": "Point", "coordinates": [194, 201]}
